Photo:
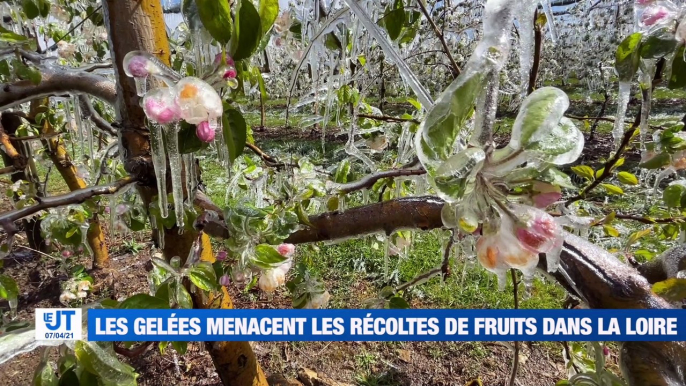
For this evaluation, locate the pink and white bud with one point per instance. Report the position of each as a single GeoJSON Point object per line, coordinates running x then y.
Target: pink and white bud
{"type": "Point", "coordinates": [204, 132]}
{"type": "Point", "coordinates": [160, 106]}
{"type": "Point", "coordinates": [286, 250]}
{"type": "Point", "coordinates": [224, 280]}
{"type": "Point", "coordinates": [230, 73]}
{"type": "Point", "coordinates": [66, 253]}
{"type": "Point", "coordinates": [221, 255]}
{"type": "Point", "coordinates": [137, 66]}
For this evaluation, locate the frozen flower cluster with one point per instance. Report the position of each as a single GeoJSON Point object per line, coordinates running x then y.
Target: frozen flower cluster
{"type": "Point", "coordinates": [74, 290]}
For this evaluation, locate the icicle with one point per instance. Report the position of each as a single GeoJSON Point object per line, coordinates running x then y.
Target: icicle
{"type": "Point", "coordinates": [159, 160]}
{"type": "Point", "coordinates": [386, 248]}
{"type": "Point", "coordinates": [622, 102]}
{"type": "Point", "coordinates": [194, 178]}
{"type": "Point", "coordinates": [405, 72]}
{"type": "Point", "coordinates": [646, 80]}
{"type": "Point", "coordinates": [91, 147]}
{"type": "Point", "coordinates": [79, 123]}
{"type": "Point", "coordinates": [84, 239]}
{"type": "Point", "coordinates": [171, 133]}
{"type": "Point", "coordinates": [526, 42]}
{"type": "Point", "coordinates": [548, 9]}
{"type": "Point", "coordinates": [141, 85]}
{"type": "Point", "coordinates": [113, 214]}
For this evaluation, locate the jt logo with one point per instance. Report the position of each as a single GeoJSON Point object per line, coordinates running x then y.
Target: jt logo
{"type": "Point", "coordinates": [53, 321]}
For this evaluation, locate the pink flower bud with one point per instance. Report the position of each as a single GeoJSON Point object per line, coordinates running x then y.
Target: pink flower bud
{"type": "Point", "coordinates": [66, 253]}
{"type": "Point", "coordinates": [224, 280]}
{"type": "Point", "coordinates": [204, 132]}
{"type": "Point", "coordinates": [654, 14]}
{"type": "Point", "coordinates": [160, 112]}
{"type": "Point", "coordinates": [644, 2]}
{"type": "Point", "coordinates": [221, 255]}
{"type": "Point", "coordinates": [230, 73]}
{"type": "Point", "coordinates": [606, 351]}
{"type": "Point", "coordinates": [286, 250]}
{"type": "Point", "coordinates": [218, 59]}
{"type": "Point", "coordinates": [138, 67]}
{"type": "Point", "coordinates": [541, 232]}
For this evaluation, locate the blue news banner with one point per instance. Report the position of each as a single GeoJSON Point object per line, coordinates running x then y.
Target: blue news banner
{"type": "Point", "coordinates": [386, 325]}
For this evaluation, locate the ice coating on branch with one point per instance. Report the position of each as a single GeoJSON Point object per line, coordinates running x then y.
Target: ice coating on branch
{"type": "Point", "coordinates": [197, 101]}
{"type": "Point", "coordinates": [525, 15]}
{"type": "Point", "coordinates": [159, 161]}
{"type": "Point", "coordinates": [140, 65]}
{"type": "Point", "coordinates": [646, 79]}
{"type": "Point", "coordinates": [622, 101]}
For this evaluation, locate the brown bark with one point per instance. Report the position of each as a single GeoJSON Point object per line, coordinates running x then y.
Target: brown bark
{"type": "Point", "coordinates": [139, 25]}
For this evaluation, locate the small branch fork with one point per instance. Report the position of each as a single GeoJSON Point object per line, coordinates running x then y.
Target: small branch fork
{"type": "Point", "coordinates": [454, 67]}
{"type": "Point", "coordinates": [386, 118]}
{"type": "Point", "coordinates": [75, 197]}
{"type": "Point", "coordinates": [369, 180]}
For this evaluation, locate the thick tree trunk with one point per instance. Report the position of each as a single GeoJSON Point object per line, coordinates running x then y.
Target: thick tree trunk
{"type": "Point", "coordinates": [139, 25]}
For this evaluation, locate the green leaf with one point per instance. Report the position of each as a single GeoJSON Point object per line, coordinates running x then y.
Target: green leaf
{"type": "Point", "coordinates": [69, 378]}
{"type": "Point", "coordinates": [8, 288]}
{"type": "Point", "coordinates": [203, 276]}
{"type": "Point", "coordinates": [584, 172]}
{"type": "Point", "coordinates": [235, 131]}
{"type": "Point", "coordinates": [188, 140]}
{"type": "Point", "coordinates": [269, 10]}
{"type": "Point", "coordinates": [104, 364]}
{"type": "Point", "coordinates": [610, 231]}
{"type": "Point", "coordinates": [538, 117]}
{"type": "Point", "coordinates": [216, 17]}
{"type": "Point", "coordinates": [658, 44]}
{"type": "Point", "coordinates": [45, 376]}
{"type": "Point", "coordinates": [248, 31]}
{"type": "Point", "coordinates": [30, 73]}
{"type": "Point", "coordinates": [183, 298]}
{"type": "Point", "coordinates": [447, 118]}
{"type": "Point", "coordinates": [660, 160]}
{"type": "Point", "coordinates": [266, 257]}
{"type": "Point", "coordinates": [143, 301]}
{"type": "Point", "coordinates": [627, 178]}
{"type": "Point", "coordinates": [30, 8]}
{"type": "Point", "coordinates": [612, 189]}
{"type": "Point", "coordinates": [44, 8]}
{"type": "Point", "coordinates": [635, 236]}
{"type": "Point", "coordinates": [8, 36]}
{"type": "Point", "coordinates": [394, 20]}
{"type": "Point", "coordinates": [342, 172]}
{"type": "Point", "coordinates": [677, 78]}
{"type": "Point", "coordinates": [397, 302]}
{"type": "Point", "coordinates": [627, 58]}
{"type": "Point", "coordinates": [456, 173]}
{"type": "Point", "coordinates": [180, 347]}
{"type": "Point", "coordinates": [673, 194]}
{"type": "Point", "coordinates": [674, 290]}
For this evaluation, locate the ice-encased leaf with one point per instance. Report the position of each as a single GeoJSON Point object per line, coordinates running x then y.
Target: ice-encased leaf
{"type": "Point", "coordinates": [563, 145]}
{"type": "Point", "coordinates": [539, 116]}
{"type": "Point", "coordinates": [216, 17]}
{"type": "Point", "coordinates": [45, 376]}
{"type": "Point", "coordinates": [248, 31]}
{"type": "Point", "coordinates": [444, 122]}
{"type": "Point", "coordinates": [104, 364]}
{"type": "Point", "coordinates": [627, 58]}
{"type": "Point", "coordinates": [453, 177]}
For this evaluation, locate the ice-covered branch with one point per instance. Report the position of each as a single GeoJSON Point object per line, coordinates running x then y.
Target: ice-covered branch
{"type": "Point", "coordinates": [97, 119]}
{"type": "Point", "coordinates": [369, 180]}
{"type": "Point", "coordinates": [55, 83]}
{"type": "Point", "coordinates": [74, 197]}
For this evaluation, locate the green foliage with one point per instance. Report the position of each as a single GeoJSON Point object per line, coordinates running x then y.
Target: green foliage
{"type": "Point", "coordinates": [248, 31]}
{"type": "Point", "coordinates": [674, 290]}
{"type": "Point", "coordinates": [266, 257]}
{"type": "Point", "coordinates": [269, 10]}
{"type": "Point", "coordinates": [203, 276]}
{"type": "Point", "coordinates": [216, 18]}
{"type": "Point", "coordinates": [104, 363]}
{"type": "Point", "coordinates": [235, 131]}
{"type": "Point", "coordinates": [627, 57]}
{"type": "Point", "coordinates": [677, 78]}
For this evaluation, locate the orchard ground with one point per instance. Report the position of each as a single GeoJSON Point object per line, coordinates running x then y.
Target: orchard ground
{"type": "Point", "coordinates": [352, 271]}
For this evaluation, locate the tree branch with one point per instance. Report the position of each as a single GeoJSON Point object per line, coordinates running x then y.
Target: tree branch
{"type": "Point", "coordinates": [386, 118]}
{"type": "Point", "coordinates": [454, 67]}
{"type": "Point", "coordinates": [89, 112]}
{"type": "Point", "coordinates": [369, 180]}
{"type": "Point", "coordinates": [55, 83]}
{"type": "Point", "coordinates": [74, 197]}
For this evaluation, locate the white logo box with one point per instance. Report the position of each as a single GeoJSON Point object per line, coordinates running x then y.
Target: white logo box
{"type": "Point", "coordinates": [58, 324]}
